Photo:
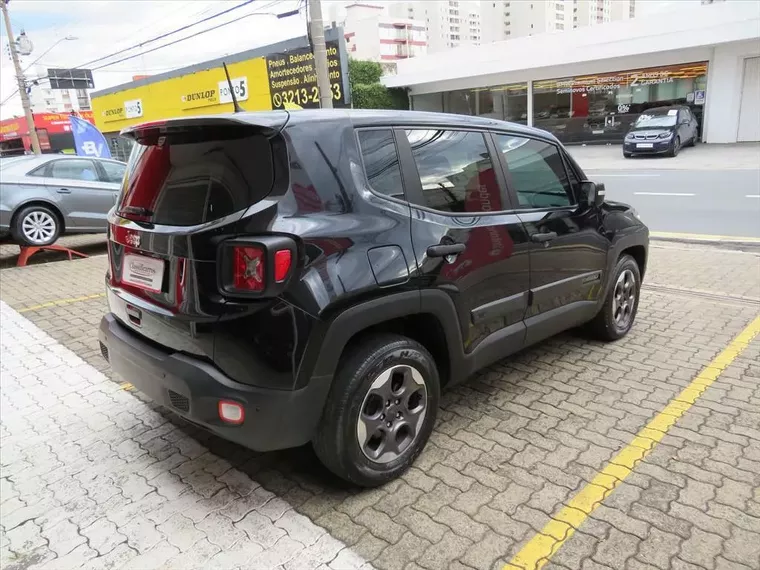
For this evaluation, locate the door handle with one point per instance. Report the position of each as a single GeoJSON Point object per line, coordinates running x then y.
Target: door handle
{"type": "Point", "coordinates": [64, 191]}
{"type": "Point", "coordinates": [543, 238]}
{"type": "Point", "coordinates": [444, 250]}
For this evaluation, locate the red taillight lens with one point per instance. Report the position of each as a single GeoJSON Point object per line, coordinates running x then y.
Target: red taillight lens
{"type": "Point", "coordinates": [248, 268]}
{"type": "Point", "coordinates": [282, 260]}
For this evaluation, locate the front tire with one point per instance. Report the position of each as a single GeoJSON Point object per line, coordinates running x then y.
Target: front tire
{"type": "Point", "coordinates": [627, 154]}
{"type": "Point", "coordinates": [616, 317]}
{"type": "Point", "coordinates": [36, 226]}
{"type": "Point", "coordinates": [380, 411]}
{"type": "Point", "coordinates": [675, 148]}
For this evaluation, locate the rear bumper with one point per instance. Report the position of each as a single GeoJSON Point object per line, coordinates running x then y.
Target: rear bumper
{"type": "Point", "coordinates": [192, 388]}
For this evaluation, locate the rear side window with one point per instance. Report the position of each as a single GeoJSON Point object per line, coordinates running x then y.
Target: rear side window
{"type": "Point", "coordinates": [381, 162]}
{"type": "Point", "coordinates": [537, 172]}
{"type": "Point", "coordinates": [74, 169]}
{"type": "Point", "coordinates": [183, 180]}
{"type": "Point", "coordinates": [455, 170]}
{"type": "Point", "coordinates": [114, 171]}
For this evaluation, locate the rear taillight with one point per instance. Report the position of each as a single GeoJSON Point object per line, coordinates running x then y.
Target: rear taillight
{"type": "Point", "coordinates": [256, 267]}
{"type": "Point", "coordinates": [282, 260]}
{"type": "Point", "coordinates": [248, 268]}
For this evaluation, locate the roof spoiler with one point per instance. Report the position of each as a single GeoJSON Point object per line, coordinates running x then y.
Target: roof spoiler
{"type": "Point", "coordinates": [270, 122]}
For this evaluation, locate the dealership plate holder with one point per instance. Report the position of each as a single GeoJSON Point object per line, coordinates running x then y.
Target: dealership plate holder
{"type": "Point", "coordinates": [27, 252]}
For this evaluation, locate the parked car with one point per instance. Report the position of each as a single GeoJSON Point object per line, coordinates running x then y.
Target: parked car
{"type": "Point", "coordinates": [320, 276]}
{"type": "Point", "coordinates": [45, 196]}
{"type": "Point", "coordinates": [661, 130]}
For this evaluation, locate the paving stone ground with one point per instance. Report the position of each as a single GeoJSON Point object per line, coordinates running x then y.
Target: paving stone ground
{"type": "Point", "coordinates": [511, 446]}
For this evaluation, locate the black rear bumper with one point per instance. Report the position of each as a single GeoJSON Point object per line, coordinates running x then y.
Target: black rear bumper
{"type": "Point", "coordinates": [192, 388]}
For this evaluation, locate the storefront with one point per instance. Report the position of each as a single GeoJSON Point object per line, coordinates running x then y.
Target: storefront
{"type": "Point", "coordinates": [279, 76]}
{"type": "Point", "coordinates": [53, 132]}
{"type": "Point", "coordinates": [589, 84]}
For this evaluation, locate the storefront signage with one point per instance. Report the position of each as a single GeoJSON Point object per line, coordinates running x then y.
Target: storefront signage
{"type": "Point", "coordinates": [240, 86]}
{"type": "Point", "coordinates": [114, 114]}
{"type": "Point", "coordinates": [200, 98]}
{"type": "Point", "coordinates": [293, 78]}
{"type": "Point", "coordinates": [699, 97]}
{"type": "Point", "coordinates": [133, 108]}
{"type": "Point", "coordinates": [54, 123]}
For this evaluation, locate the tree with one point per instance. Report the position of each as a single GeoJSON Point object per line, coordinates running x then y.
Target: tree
{"type": "Point", "coordinates": [366, 90]}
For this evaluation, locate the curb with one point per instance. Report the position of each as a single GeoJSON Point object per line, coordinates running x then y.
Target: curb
{"type": "Point", "coordinates": [704, 239]}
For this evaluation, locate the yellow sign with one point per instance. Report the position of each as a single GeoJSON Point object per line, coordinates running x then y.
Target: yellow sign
{"type": "Point", "coordinates": [202, 92]}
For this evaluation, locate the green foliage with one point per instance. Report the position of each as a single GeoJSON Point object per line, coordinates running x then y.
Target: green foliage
{"type": "Point", "coordinates": [366, 90]}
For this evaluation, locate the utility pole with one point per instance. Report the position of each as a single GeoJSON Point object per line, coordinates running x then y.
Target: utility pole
{"type": "Point", "coordinates": [21, 83]}
{"type": "Point", "coordinates": [320, 54]}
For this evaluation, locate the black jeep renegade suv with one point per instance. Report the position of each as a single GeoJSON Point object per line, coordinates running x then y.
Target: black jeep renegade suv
{"type": "Point", "coordinates": [319, 276]}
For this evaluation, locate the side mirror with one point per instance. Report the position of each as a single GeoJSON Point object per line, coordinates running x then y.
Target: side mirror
{"type": "Point", "coordinates": [593, 193]}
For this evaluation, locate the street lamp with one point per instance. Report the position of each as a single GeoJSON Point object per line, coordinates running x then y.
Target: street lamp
{"type": "Point", "coordinates": [48, 50]}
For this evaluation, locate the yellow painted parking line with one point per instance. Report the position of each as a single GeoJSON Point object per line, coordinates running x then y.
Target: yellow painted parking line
{"type": "Point", "coordinates": [704, 237]}
{"type": "Point", "coordinates": [60, 302]}
{"type": "Point", "coordinates": [539, 550]}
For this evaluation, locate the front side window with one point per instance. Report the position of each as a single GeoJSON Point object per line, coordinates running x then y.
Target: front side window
{"type": "Point", "coordinates": [74, 169]}
{"type": "Point", "coordinates": [537, 172]}
{"type": "Point", "coordinates": [455, 170]}
{"type": "Point", "coordinates": [381, 162]}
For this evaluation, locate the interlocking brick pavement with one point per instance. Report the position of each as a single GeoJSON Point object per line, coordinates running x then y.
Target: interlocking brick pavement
{"type": "Point", "coordinates": [511, 446]}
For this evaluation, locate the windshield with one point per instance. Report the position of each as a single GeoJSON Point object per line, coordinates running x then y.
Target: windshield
{"type": "Point", "coordinates": [657, 120]}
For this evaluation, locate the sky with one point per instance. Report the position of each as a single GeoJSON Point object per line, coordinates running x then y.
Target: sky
{"type": "Point", "coordinates": [102, 27]}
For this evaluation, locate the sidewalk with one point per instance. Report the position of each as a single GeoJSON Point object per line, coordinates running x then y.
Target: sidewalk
{"type": "Point", "coordinates": [701, 157]}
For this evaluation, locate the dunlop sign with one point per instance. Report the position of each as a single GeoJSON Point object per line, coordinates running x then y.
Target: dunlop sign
{"type": "Point", "coordinates": [293, 78]}
{"type": "Point", "coordinates": [201, 98]}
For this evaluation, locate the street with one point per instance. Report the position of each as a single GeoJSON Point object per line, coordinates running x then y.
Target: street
{"type": "Point", "coordinates": [716, 202]}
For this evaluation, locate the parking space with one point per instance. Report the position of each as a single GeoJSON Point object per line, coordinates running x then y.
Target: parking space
{"type": "Point", "coordinates": [517, 470]}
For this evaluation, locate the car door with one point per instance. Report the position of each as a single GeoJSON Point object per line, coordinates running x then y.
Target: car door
{"type": "Point", "coordinates": [568, 249]}
{"type": "Point", "coordinates": [691, 126]}
{"type": "Point", "coordinates": [111, 174]}
{"type": "Point", "coordinates": [467, 240]}
{"type": "Point", "coordinates": [84, 196]}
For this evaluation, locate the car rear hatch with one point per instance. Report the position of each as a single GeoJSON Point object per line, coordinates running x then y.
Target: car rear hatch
{"type": "Point", "coordinates": [190, 185]}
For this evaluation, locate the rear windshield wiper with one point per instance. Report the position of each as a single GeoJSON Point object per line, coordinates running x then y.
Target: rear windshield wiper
{"type": "Point", "coordinates": [137, 211]}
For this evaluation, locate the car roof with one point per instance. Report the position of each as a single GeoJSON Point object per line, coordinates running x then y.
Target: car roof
{"type": "Point", "coordinates": [276, 120]}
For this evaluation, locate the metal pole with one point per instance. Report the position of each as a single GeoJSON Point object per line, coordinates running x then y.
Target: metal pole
{"type": "Point", "coordinates": [320, 54]}
{"type": "Point", "coordinates": [21, 83]}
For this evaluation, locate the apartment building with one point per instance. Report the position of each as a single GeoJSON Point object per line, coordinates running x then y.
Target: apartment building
{"type": "Point", "coordinates": [505, 19]}
{"type": "Point", "coordinates": [448, 23]}
{"type": "Point", "coordinates": [43, 99]}
{"type": "Point", "coordinates": [372, 34]}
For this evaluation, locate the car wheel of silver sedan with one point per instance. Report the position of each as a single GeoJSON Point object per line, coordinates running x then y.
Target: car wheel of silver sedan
{"type": "Point", "coordinates": [36, 226]}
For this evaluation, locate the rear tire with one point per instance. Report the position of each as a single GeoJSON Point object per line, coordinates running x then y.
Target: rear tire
{"type": "Point", "coordinates": [353, 439]}
{"type": "Point", "coordinates": [618, 312]}
{"type": "Point", "coordinates": [36, 226]}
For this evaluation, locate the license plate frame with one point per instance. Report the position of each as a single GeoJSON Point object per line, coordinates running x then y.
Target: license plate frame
{"type": "Point", "coordinates": [143, 272]}
{"type": "Point", "coordinates": [644, 145]}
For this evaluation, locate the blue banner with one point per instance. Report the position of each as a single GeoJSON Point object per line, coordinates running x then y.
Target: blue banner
{"type": "Point", "coordinates": [88, 140]}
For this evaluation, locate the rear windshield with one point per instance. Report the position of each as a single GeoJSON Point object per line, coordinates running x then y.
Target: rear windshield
{"type": "Point", "coordinates": [189, 178]}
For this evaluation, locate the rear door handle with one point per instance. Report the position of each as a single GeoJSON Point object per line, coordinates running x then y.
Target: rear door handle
{"type": "Point", "coordinates": [444, 250]}
{"type": "Point", "coordinates": [64, 191]}
{"type": "Point", "coordinates": [542, 238]}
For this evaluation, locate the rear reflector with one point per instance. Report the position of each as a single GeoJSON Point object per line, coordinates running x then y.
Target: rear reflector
{"type": "Point", "coordinates": [248, 268]}
{"type": "Point", "coordinates": [231, 412]}
{"type": "Point", "coordinates": [282, 261]}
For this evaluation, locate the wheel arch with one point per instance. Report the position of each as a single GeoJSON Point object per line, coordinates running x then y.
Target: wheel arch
{"type": "Point", "coordinates": [639, 255]}
{"type": "Point", "coordinates": [426, 316]}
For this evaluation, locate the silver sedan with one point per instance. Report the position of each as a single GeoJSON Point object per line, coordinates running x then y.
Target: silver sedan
{"type": "Point", "coordinates": [43, 197]}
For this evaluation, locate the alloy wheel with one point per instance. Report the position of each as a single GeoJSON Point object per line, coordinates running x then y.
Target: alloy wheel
{"type": "Point", "coordinates": [624, 299]}
{"type": "Point", "coordinates": [392, 413]}
{"type": "Point", "coordinates": [39, 227]}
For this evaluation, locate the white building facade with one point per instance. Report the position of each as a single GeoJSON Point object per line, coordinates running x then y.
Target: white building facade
{"type": "Point", "coordinates": [43, 99]}
{"type": "Point", "coordinates": [589, 84]}
{"type": "Point", "coordinates": [509, 19]}
{"type": "Point", "coordinates": [373, 35]}
{"type": "Point", "coordinates": [448, 23]}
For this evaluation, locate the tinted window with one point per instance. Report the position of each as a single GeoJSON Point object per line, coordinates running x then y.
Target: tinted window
{"type": "Point", "coordinates": [455, 170]}
{"type": "Point", "coordinates": [191, 178]}
{"type": "Point", "coordinates": [74, 169]}
{"type": "Point", "coordinates": [381, 162]}
{"type": "Point", "coordinates": [114, 171]}
{"type": "Point", "coordinates": [537, 172]}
